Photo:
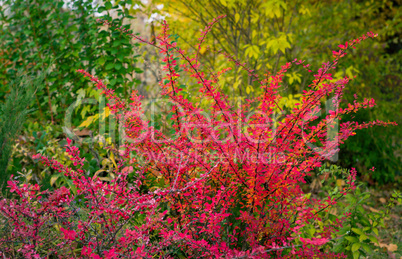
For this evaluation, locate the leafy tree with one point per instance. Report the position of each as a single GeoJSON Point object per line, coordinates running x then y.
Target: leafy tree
{"type": "Point", "coordinates": [45, 33]}
{"type": "Point", "coordinates": [37, 33]}
{"type": "Point", "coordinates": [268, 33]}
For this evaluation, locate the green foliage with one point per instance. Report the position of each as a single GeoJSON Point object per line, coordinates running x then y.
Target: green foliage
{"type": "Point", "coordinates": [361, 231]}
{"type": "Point", "coordinates": [379, 75]}
{"type": "Point", "coordinates": [38, 33]}
{"type": "Point", "coordinates": [13, 114]}
{"type": "Point", "coordinates": [359, 236]}
{"type": "Point", "coordinates": [374, 148]}
{"type": "Point", "coordinates": [63, 37]}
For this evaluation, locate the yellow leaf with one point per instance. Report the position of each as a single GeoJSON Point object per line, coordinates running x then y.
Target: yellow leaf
{"type": "Point", "coordinates": [247, 51]}
{"type": "Point", "coordinates": [277, 12]}
{"type": "Point", "coordinates": [105, 162]}
{"type": "Point", "coordinates": [304, 10]}
{"type": "Point", "coordinates": [236, 84]}
{"type": "Point", "coordinates": [248, 89]}
{"type": "Point", "coordinates": [290, 79]}
{"type": "Point", "coordinates": [105, 113]}
{"type": "Point", "coordinates": [255, 18]}
{"type": "Point", "coordinates": [256, 51]}
{"type": "Point", "coordinates": [273, 45]}
{"type": "Point", "coordinates": [253, 34]}
{"type": "Point", "coordinates": [224, 3]}
{"type": "Point", "coordinates": [237, 17]}
{"type": "Point", "coordinates": [283, 5]}
{"type": "Point", "coordinates": [97, 172]}
{"type": "Point", "coordinates": [89, 121]}
{"type": "Point", "coordinates": [203, 49]}
{"type": "Point", "coordinates": [53, 179]}
{"type": "Point", "coordinates": [338, 75]}
{"type": "Point", "coordinates": [340, 182]}
{"type": "Point", "coordinates": [112, 158]}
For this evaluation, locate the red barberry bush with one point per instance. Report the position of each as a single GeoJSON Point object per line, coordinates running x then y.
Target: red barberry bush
{"type": "Point", "coordinates": [227, 184]}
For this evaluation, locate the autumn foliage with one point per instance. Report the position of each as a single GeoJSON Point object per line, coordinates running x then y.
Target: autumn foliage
{"type": "Point", "coordinates": [226, 184]}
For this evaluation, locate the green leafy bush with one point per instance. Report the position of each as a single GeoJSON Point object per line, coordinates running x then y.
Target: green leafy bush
{"type": "Point", "coordinates": [13, 114]}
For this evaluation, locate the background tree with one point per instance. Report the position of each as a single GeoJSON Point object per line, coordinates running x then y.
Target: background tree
{"type": "Point", "coordinates": [63, 37]}
{"type": "Point", "coordinates": [269, 33]}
